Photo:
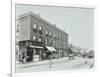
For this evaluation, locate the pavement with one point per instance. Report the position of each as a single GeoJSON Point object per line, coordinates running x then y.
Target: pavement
{"type": "Point", "coordinates": [56, 64]}
{"type": "Point", "coordinates": [36, 63]}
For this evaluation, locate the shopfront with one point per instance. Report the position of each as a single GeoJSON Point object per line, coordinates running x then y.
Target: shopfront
{"type": "Point", "coordinates": [30, 53]}
{"type": "Point", "coordinates": [33, 53]}
{"type": "Point", "coordinates": [37, 52]}
{"type": "Point", "coordinates": [50, 52]}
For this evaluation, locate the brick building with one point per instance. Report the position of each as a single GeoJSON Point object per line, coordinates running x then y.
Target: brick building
{"type": "Point", "coordinates": [35, 38]}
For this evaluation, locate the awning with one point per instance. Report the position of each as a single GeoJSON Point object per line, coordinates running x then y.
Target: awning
{"type": "Point", "coordinates": [50, 48]}
{"type": "Point", "coordinates": [36, 47]}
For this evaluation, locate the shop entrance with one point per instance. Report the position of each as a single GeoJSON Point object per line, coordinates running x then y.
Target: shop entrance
{"type": "Point", "coordinates": [37, 54]}
{"type": "Point", "coordinates": [29, 54]}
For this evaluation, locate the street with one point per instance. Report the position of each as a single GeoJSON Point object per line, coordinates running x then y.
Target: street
{"type": "Point", "coordinates": [58, 65]}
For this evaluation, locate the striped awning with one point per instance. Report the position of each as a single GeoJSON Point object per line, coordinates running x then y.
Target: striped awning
{"type": "Point", "coordinates": [50, 48]}
{"type": "Point", "coordinates": [36, 47]}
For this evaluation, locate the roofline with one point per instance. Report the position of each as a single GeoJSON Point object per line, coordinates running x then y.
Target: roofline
{"type": "Point", "coordinates": [40, 18]}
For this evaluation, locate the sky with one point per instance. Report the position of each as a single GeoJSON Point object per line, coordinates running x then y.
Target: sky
{"type": "Point", "coordinates": [77, 22]}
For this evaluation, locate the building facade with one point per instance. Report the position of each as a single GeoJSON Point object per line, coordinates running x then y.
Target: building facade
{"type": "Point", "coordinates": [37, 38]}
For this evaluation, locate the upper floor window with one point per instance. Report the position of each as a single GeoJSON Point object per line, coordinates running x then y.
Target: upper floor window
{"type": "Point", "coordinates": [34, 37]}
{"type": "Point", "coordinates": [57, 35]}
{"type": "Point", "coordinates": [40, 39]}
{"type": "Point", "coordinates": [50, 41]}
{"type": "Point", "coordinates": [40, 27]}
{"type": "Point", "coordinates": [54, 34]}
{"type": "Point", "coordinates": [50, 33]}
{"type": "Point", "coordinates": [17, 28]}
{"type": "Point", "coordinates": [54, 43]}
{"type": "Point", "coordinates": [34, 26]}
{"type": "Point", "coordinates": [61, 37]}
{"type": "Point", "coordinates": [46, 31]}
{"type": "Point", "coordinates": [46, 41]}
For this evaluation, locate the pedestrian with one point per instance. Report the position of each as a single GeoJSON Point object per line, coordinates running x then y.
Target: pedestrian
{"type": "Point", "coordinates": [28, 59]}
{"type": "Point", "coordinates": [24, 60]}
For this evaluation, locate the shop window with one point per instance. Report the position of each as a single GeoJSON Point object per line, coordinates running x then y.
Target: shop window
{"type": "Point", "coordinates": [30, 43]}
{"type": "Point", "coordinates": [36, 52]}
{"type": "Point", "coordinates": [57, 43]}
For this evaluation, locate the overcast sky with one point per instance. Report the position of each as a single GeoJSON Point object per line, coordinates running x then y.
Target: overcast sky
{"type": "Point", "coordinates": [77, 22]}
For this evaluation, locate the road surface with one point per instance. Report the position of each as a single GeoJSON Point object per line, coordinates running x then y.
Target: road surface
{"type": "Point", "coordinates": [53, 66]}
